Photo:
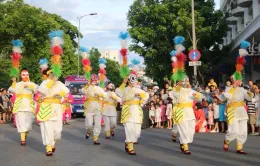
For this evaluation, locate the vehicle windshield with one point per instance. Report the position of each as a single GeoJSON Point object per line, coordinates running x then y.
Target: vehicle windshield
{"type": "Point", "coordinates": [76, 88]}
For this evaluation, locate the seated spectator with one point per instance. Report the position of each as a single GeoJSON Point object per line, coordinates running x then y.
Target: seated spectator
{"type": "Point", "coordinates": [201, 123]}
{"type": "Point", "coordinates": [212, 83]}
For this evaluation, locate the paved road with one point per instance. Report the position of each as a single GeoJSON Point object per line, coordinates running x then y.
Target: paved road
{"type": "Point", "coordinates": [155, 149]}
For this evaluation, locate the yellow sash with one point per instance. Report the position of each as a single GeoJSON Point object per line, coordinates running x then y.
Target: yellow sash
{"type": "Point", "coordinates": [110, 103]}
{"type": "Point", "coordinates": [177, 112]}
{"type": "Point", "coordinates": [46, 109]}
{"type": "Point", "coordinates": [126, 110]}
{"type": "Point", "coordinates": [19, 102]}
{"type": "Point", "coordinates": [90, 99]}
{"type": "Point", "coordinates": [231, 110]}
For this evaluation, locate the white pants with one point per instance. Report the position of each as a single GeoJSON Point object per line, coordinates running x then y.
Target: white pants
{"type": "Point", "coordinates": [24, 121]}
{"type": "Point", "coordinates": [186, 130]}
{"type": "Point", "coordinates": [110, 122]}
{"type": "Point", "coordinates": [237, 130]}
{"type": "Point", "coordinates": [132, 131]}
{"type": "Point", "coordinates": [51, 131]}
{"type": "Point", "coordinates": [89, 122]}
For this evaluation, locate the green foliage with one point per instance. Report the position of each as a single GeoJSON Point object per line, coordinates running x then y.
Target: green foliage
{"type": "Point", "coordinates": [32, 25]}
{"type": "Point", "coordinates": [153, 25]}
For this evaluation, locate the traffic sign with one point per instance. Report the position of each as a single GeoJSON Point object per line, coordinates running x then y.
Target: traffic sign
{"type": "Point", "coordinates": [194, 63]}
{"type": "Point", "coordinates": [194, 55]}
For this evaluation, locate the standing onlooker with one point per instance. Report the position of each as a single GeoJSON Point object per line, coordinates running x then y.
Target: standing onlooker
{"type": "Point", "coordinates": [222, 109]}
{"type": "Point", "coordinates": [152, 114]}
{"type": "Point", "coordinates": [163, 113]}
{"type": "Point", "coordinates": [5, 104]}
{"type": "Point", "coordinates": [250, 84]}
{"type": "Point", "coordinates": [257, 100]}
{"type": "Point", "coordinates": [252, 112]}
{"type": "Point", "coordinates": [2, 110]}
{"type": "Point", "coordinates": [210, 117]}
{"type": "Point", "coordinates": [169, 113]}
{"type": "Point", "coordinates": [216, 115]}
{"type": "Point", "coordinates": [158, 115]}
{"type": "Point", "coordinates": [228, 86]}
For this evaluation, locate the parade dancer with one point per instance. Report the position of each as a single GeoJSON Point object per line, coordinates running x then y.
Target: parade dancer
{"type": "Point", "coordinates": [50, 113]}
{"type": "Point", "coordinates": [236, 113]}
{"type": "Point", "coordinates": [132, 115]}
{"type": "Point", "coordinates": [183, 114]}
{"type": "Point", "coordinates": [24, 106]}
{"type": "Point", "coordinates": [109, 110]}
{"type": "Point", "coordinates": [93, 107]}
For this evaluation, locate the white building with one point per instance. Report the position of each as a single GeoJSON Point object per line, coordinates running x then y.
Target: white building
{"type": "Point", "coordinates": [110, 54]}
{"type": "Point", "coordinates": [243, 18]}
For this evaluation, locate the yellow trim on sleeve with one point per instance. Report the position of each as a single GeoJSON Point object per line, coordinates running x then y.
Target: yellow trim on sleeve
{"type": "Point", "coordinates": [86, 87]}
{"type": "Point", "coordinates": [49, 84]}
{"type": "Point", "coordinates": [142, 95]}
{"type": "Point", "coordinates": [62, 93]}
{"type": "Point", "coordinates": [122, 86]}
{"type": "Point", "coordinates": [13, 84]}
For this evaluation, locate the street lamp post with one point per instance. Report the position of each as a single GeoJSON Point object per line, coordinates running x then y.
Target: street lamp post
{"type": "Point", "coordinates": [193, 36]}
{"type": "Point", "coordinates": [79, 18]}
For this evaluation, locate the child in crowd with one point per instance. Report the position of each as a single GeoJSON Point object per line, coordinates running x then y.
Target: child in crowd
{"type": "Point", "coordinates": [210, 117]}
{"type": "Point", "coordinates": [163, 113]}
{"type": "Point", "coordinates": [169, 112]}
{"type": "Point", "coordinates": [215, 107]}
{"type": "Point", "coordinates": [158, 115]}
{"type": "Point", "coordinates": [151, 114]}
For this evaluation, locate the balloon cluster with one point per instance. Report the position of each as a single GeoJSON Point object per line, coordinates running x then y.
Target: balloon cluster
{"type": "Point", "coordinates": [16, 57]}
{"type": "Point", "coordinates": [102, 72]}
{"type": "Point", "coordinates": [124, 70]}
{"type": "Point", "coordinates": [56, 50]}
{"type": "Point", "coordinates": [241, 60]}
{"type": "Point", "coordinates": [43, 65]}
{"type": "Point", "coordinates": [86, 62]}
{"type": "Point", "coordinates": [178, 59]}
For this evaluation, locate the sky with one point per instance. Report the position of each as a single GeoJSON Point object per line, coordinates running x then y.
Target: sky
{"type": "Point", "coordinates": [100, 31]}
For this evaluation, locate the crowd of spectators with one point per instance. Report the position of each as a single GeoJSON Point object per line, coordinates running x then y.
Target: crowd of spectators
{"type": "Point", "coordinates": [210, 112]}
{"type": "Point", "coordinates": [5, 107]}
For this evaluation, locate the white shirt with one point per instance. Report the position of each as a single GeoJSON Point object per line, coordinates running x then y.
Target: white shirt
{"type": "Point", "coordinates": [216, 110]}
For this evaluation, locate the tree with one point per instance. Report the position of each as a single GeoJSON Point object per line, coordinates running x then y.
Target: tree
{"type": "Point", "coordinates": [32, 25]}
{"type": "Point", "coordinates": [153, 25]}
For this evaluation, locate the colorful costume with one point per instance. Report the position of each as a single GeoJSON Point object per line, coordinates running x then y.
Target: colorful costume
{"type": "Point", "coordinates": [93, 107]}
{"type": "Point", "coordinates": [183, 114]}
{"type": "Point", "coordinates": [201, 123]}
{"type": "Point", "coordinates": [132, 115]}
{"type": "Point", "coordinates": [50, 113]}
{"type": "Point", "coordinates": [24, 106]}
{"type": "Point", "coordinates": [67, 108]}
{"type": "Point", "coordinates": [109, 110]}
{"type": "Point", "coordinates": [236, 113]}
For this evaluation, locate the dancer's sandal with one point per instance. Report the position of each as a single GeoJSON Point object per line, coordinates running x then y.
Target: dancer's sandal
{"type": "Point", "coordinates": [174, 138]}
{"type": "Point", "coordinates": [132, 152]}
{"type": "Point", "coordinates": [87, 136]}
{"type": "Point", "coordinates": [96, 143]}
{"type": "Point", "coordinates": [112, 133]}
{"type": "Point", "coordinates": [225, 146]}
{"type": "Point", "coordinates": [23, 143]}
{"type": "Point", "coordinates": [187, 152]}
{"type": "Point", "coordinates": [48, 153]}
{"type": "Point", "coordinates": [241, 152]}
{"type": "Point", "coordinates": [53, 149]}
